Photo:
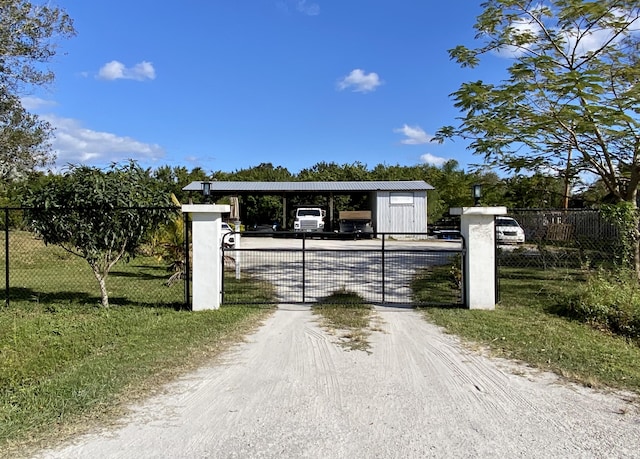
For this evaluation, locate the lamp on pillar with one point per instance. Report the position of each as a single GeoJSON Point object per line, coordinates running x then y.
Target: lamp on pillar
{"type": "Point", "coordinates": [476, 191]}
{"type": "Point", "coordinates": [206, 190]}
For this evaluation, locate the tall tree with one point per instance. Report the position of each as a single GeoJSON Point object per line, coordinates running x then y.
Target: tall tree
{"type": "Point", "coordinates": [24, 139]}
{"type": "Point", "coordinates": [174, 179]}
{"type": "Point", "coordinates": [534, 191]}
{"type": "Point", "coordinates": [264, 172]}
{"type": "Point", "coordinates": [571, 101]}
{"type": "Point", "coordinates": [326, 172]}
{"type": "Point", "coordinates": [259, 209]}
{"type": "Point", "coordinates": [333, 172]}
{"type": "Point", "coordinates": [28, 35]}
{"type": "Point", "coordinates": [100, 216]}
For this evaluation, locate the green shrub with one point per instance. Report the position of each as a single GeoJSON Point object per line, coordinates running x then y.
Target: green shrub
{"type": "Point", "coordinates": [609, 300]}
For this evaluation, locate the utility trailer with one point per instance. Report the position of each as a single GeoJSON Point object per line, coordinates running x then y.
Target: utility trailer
{"type": "Point", "coordinates": [356, 222]}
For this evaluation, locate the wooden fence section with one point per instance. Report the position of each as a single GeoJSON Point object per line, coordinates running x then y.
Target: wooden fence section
{"type": "Point", "coordinates": [564, 225]}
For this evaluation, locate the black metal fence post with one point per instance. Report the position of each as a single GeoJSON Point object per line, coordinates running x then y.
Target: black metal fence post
{"type": "Point", "coordinates": [496, 257]}
{"type": "Point", "coordinates": [6, 256]}
{"type": "Point", "coordinates": [223, 251]}
{"type": "Point", "coordinates": [463, 278]}
{"type": "Point", "coordinates": [383, 271]}
{"type": "Point", "coordinates": [187, 264]}
{"type": "Point", "coordinates": [304, 268]}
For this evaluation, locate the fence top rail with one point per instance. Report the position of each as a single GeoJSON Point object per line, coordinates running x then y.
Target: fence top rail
{"type": "Point", "coordinates": [542, 209]}
{"type": "Point", "coordinates": [347, 250]}
{"type": "Point", "coordinates": [380, 237]}
{"type": "Point", "coordinates": [92, 207]}
{"type": "Point", "coordinates": [328, 234]}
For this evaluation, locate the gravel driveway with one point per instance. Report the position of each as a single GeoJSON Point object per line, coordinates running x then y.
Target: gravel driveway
{"type": "Point", "coordinates": [291, 391]}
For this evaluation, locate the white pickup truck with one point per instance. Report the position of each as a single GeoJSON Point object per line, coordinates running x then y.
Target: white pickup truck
{"type": "Point", "coordinates": [309, 219]}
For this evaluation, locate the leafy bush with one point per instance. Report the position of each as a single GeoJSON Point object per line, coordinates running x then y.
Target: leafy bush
{"type": "Point", "coordinates": [609, 301]}
{"type": "Point", "coordinates": [624, 216]}
{"type": "Point", "coordinates": [102, 216]}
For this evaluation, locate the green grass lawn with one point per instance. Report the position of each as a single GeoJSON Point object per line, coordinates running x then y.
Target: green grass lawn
{"type": "Point", "coordinates": [526, 326]}
{"type": "Point", "coordinates": [40, 273]}
{"type": "Point", "coordinates": [67, 364]}
{"type": "Point", "coordinates": [63, 366]}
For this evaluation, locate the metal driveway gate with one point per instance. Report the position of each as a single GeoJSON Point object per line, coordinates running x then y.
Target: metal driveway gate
{"type": "Point", "coordinates": [387, 269]}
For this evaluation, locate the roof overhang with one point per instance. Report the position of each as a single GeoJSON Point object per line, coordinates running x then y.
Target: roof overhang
{"type": "Point", "coordinates": [310, 187]}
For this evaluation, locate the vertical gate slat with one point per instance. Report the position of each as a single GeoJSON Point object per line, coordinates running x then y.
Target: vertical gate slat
{"type": "Point", "coordinates": [6, 256]}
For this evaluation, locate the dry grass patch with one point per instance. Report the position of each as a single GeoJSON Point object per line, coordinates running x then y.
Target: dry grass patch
{"type": "Point", "coordinates": [347, 316]}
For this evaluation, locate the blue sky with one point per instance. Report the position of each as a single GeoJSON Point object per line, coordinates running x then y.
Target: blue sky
{"type": "Point", "coordinates": [229, 84]}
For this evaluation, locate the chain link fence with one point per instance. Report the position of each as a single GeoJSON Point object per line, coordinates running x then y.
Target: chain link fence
{"type": "Point", "coordinates": [561, 245]}
{"type": "Point", "coordinates": [565, 239]}
{"type": "Point", "coordinates": [34, 272]}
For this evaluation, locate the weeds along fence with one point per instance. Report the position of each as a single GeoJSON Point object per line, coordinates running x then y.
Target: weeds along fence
{"type": "Point", "coordinates": [561, 244]}
{"type": "Point", "coordinates": [31, 271]}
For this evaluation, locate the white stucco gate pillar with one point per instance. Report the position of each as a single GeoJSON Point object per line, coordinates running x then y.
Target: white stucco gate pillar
{"type": "Point", "coordinates": [206, 265]}
{"type": "Point", "coordinates": [477, 225]}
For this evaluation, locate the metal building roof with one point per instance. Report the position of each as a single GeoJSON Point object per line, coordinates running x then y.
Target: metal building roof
{"type": "Point", "coordinates": [316, 187]}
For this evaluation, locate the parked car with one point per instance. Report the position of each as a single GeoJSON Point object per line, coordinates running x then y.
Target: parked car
{"type": "Point", "coordinates": [228, 240]}
{"type": "Point", "coordinates": [508, 231]}
{"type": "Point", "coordinates": [448, 227]}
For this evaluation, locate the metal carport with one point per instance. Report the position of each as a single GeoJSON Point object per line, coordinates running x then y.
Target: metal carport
{"type": "Point", "coordinates": [218, 189]}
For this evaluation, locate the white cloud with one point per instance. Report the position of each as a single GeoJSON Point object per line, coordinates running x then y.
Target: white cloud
{"type": "Point", "coordinates": [301, 6]}
{"type": "Point", "coordinates": [428, 158]}
{"type": "Point", "coordinates": [310, 9]}
{"type": "Point", "coordinates": [116, 70]}
{"type": "Point", "coordinates": [415, 135]}
{"type": "Point", "coordinates": [75, 144]}
{"type": "Point", "coordinates": [588, 42]}
{"type": "Point", "coordinates": [520, 27]}
{"type": "Point", "coordinates": [192, 159]}
{"type": "Point", "coordinates": [34, 103]}
{"type": "Point", "coordinates": [359, 81]}
{"type": "Point", "coordinates": [600, 35]}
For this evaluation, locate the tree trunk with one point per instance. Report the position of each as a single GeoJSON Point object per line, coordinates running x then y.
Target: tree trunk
{"type": "Point", "coordinates": [567, 182]}
{"type": "Point", "coordinates": [102, 281]}
{"type": "Point", "coordinates": [636, 246]}
{"type": "Point", "coordinates": [103, 292]}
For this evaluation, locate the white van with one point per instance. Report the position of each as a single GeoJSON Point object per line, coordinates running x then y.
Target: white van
{"type": "Point", "coordinates": [508, 231]}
